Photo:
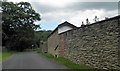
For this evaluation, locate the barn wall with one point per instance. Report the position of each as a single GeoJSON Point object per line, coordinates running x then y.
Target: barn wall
{"type": "Point", "coordinates": [96, 45]}
{"type": "Point", "coordinates": [53, 42]}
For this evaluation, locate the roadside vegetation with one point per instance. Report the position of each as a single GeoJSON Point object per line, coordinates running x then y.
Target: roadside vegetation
{"type": "Point", "coordinates": [41, 36]}
{"type": "Point", "coordinates": [18, 23]}
{"type": "Point", "coordinates": [66, 62]}
{"type": "Point", "coordinates": [5, 55]}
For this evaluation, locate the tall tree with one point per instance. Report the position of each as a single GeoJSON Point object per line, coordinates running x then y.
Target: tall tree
{"type": "Point", "coordinates": [18, 24]}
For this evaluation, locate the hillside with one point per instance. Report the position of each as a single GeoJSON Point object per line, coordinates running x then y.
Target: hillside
{"type": "Point", "coordinates": [42, 35]}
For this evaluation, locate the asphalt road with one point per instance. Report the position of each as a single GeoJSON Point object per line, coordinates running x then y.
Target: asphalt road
{"type": "Point", "coordinates": [29, 60]}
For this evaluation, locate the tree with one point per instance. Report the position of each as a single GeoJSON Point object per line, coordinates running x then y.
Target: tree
{"type": "Point", "coordinates": [96, 19]}
{"type": "Point", "coordinates": [82, 23]}
{"type": "Point", "coordinates": [18, 25]}
{"type": "Point", "coordinates": [106, 18]}
{"type": "Point", "coordinates": [41, 35]}
{"type": "Point", "coordinates": [87, 21]}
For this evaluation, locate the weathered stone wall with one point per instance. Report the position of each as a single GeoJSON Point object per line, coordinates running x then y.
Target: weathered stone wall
{"type": "Point", "coordinates": [44, 47]}
{"type": "Point", "coordinates": [53, 42]}
{"type": "Point", "coordinates": [95, 45]}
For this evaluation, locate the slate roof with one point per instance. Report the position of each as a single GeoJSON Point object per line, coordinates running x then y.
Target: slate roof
{"type": "Point", "coordinates": [63, 24]}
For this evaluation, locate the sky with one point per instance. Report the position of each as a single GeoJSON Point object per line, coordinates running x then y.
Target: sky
{"type": "Point", "coordinates": [55, 12]}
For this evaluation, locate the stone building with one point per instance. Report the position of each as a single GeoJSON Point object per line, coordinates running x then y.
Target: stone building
{"type": "Point", "coordinates": [55, 40]}
{"type": "Point", "coordinates": [95, 45]}
{"type": "Point", "coordinates": [44, 47]}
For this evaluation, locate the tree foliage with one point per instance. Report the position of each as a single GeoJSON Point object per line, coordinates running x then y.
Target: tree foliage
{"type": "Point", "coordinates": [87, 21]}
{"type": "Point", "coordinates": [96, 19]}
{"type": "Point", "coordinates": [41, 36]}
{"type": "Point", "coordinates": [18, 25]}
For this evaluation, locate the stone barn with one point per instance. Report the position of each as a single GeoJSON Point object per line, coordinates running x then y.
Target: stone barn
{"type": "Point", "coordinates": [96, 45]}
{"type": "Point", "coordinates": [55, 40]}
{"type": "Point", "coordinates": [43, 46]}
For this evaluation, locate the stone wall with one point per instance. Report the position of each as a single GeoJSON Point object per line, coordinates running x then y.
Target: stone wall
{"type": "Point", "coordinates": [53, 42]}
{"type": "Point", "coordinates": [95, 45]}
{"type": "Point", "coordinates": [44, 47]}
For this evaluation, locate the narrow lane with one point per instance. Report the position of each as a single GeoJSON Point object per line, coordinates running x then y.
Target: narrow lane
{"type": "Point", "coordinates": [29, 60]}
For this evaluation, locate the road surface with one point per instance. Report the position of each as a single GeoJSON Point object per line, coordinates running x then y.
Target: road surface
{"type": "Point", "coordinates": [29, 60]}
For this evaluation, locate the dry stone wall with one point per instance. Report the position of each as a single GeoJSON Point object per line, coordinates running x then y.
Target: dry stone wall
{"type": "Point", "coordinates": [96, 45]}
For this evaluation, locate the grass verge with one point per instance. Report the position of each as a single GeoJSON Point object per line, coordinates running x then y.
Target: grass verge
{"type": "Point", "coordinates": [5, 54]}
{"type": "Point", "coordinates": [67, 63]}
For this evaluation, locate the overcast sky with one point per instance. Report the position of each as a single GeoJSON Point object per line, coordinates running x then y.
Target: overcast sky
{"type": "Point", "coordinates": [54, 12]}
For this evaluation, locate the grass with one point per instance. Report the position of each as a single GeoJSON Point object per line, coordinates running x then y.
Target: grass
{"type": "Point", "coordinates": [5, 55]}
{"type": "Point", "coordinates": [67, 63]}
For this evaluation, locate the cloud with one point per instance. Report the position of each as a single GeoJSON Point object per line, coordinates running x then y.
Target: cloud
{"type": "Point", "coordinates": [73, 11]}
{"type": "Point", "coordinates": [80, 16]}
{"type": "Point", "coordinates": [94, 5]}
{"type": "Point", "coordinates": [60, 1]}
{"type": "Point", "coordinates": [18, 0]}
{"type": "Point", "coordinates": [57, 3]}
{"type": "Point", "coordinates": [49, 12]}
{"type": "Point", "coordinates": [74, 6]}
{"type": "Point", "coordinates": [77, 17]}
